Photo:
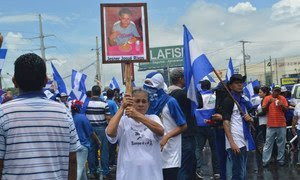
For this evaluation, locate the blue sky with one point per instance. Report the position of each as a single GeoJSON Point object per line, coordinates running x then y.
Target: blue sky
{"type": "Point", "coordinates": [215, 24]}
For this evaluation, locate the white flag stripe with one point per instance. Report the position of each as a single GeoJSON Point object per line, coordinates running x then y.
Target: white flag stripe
{"type": "Point", "coordinates": [77, 80]}
{"type": "Point", "coordinates": [191, 92]}
{"type": "Point", "coordinates": [250, 89]}
{"type": "Point", "coordinates": [194, 50]}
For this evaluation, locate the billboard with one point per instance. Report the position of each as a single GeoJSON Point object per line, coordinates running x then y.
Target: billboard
{"type": "Point", "coordinates": [162, 57]}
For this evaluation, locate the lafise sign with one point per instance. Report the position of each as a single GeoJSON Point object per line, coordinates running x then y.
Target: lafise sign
{"type": "Point", "coordinates": [170, 52]}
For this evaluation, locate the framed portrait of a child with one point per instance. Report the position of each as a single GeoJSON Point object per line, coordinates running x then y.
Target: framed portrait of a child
{"type": "Point", "coordinates": [124, 33]}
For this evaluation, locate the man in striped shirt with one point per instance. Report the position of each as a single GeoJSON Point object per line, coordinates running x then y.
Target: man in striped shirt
{"type": "Point", "coordinates": [98, 114]}
{"type": "Point", "coordinates": [38, 140]}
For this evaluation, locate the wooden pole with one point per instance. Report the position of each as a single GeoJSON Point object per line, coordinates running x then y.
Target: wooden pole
{"type": "Point", "coordinates": [228, 91]}
{"type": "Point", "coordinates": [128, 80]}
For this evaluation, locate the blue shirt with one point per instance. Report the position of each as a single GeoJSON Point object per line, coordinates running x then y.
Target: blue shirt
{"type": "Point", "coordinates": [113, 108]}
{"type": "Point", "coordinates": [84, 129]}
{"type": "Point", "coordinates": [175, 112]}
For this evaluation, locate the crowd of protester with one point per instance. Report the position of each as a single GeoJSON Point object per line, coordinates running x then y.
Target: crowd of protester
{"type": "Point", "coordinates": [153, 133]}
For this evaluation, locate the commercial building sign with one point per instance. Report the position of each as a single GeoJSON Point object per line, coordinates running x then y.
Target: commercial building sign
{"type": "Point", "coordinates": [163, 57]}
{"type": "Point", "coordinates": [289, 81]}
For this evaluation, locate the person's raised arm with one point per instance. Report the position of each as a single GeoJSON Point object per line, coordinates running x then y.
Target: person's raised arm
{"type": "Point", "coordinates": [153, 126]}
{"type": "Point", "coordinates": [266, 104]}
{"type": "Point", "coordinates": [113, 124]}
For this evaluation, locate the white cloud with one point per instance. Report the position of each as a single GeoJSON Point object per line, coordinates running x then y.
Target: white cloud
{"type": "Point", "coordinates": [15, 41]}
{"type": "Point", "coordinates": [286, 10]}
{"type": "Point", "coordinates": [242, 8]}
{"type": "Point", "coordinates": [30, 18]}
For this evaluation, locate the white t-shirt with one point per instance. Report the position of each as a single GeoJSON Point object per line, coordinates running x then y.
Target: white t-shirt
{"type": "Point", "coordinates": [297, 115]}
{"type": "Point", "coordinates": [236, 126]}
{"type": "Point", "coordinates": [139, 150]}
{"type": "Point", "coordinates": [171, 154]}
{"type": "Point", "coordinates": [262, 120]}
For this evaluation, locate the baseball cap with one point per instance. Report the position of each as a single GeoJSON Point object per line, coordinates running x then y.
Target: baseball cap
{"type": "Point", "coordinates": [277, 88]}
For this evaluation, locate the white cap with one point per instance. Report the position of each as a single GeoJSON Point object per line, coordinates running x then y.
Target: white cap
{"type": "Point", "coordinates": [283, 89]}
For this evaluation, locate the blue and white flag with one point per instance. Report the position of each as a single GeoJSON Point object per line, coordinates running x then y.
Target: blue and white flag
{"type": "Point", "coordinates": [208, 77]}
{"type": "Point", "coordinates": [49, 85]}
{"type": "Point", "coordinates": [230, 70]}
{"type": "Point", "coordinates": [77, 95]}
{"type": "Point", "coordinates": [248, 89]}
{"type": "Point", "coordinates": [59, 81]}
{"type": "Point", "coordinates": [2, 58]}
{"type": "Point", "coordinates": [133, 84]}
{"type": "Point", "coordinates": [114, 84]}
{"type": "Point", "coordinates": [78, 81]}
{"type": "Point", "coordinates": [196, 66]}
{"type": "Point", "coordinates": [256, 83]}
{"type": "Point", "coordinates": [272, 86]}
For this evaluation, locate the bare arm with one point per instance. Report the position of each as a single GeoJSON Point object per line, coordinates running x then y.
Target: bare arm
{"type": "Point", "coordinates": [113, 124]}
{"type": "Point", "coordinates": [176, 131]}
{"type": "Point", "coordinates": [108, 118]}
{"type": "Point", "coordinates": [266, 107]}
{"type": "Point", "coordinates": [72, 166]}
{"type": "Point", "coordinates": [152, 125]}
{"type": "Point", "coordinates": [284, 108]}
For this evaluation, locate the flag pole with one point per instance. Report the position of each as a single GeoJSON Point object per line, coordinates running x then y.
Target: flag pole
{"type": "Point", "coordinates": [128, 81]}
{"type": "Point", "coordinates": [228, 91]}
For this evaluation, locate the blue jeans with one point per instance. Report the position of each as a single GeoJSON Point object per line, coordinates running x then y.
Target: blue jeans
{"type": "Point", "coordinates": [104, 158]}
{"type": "Point", "coordinates": [203, 134]}
{"type": "Point", "coordinates": [298, 134]}
{"type": "Point", "coordinates": [188, 160]}
{"type": "Point", "coordinates": [221, 151]}
{"type": "Point", "coordinates": [81, 156]}
{"type": "Point", "coordinates": [239, 163]}
{"type": "Point", "coordinates": [271, 134]}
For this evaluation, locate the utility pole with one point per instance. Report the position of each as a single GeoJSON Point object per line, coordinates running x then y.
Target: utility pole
{"type": "Point", "coordinates": [1, 41]}
{"type": "Point", "coordinates": [276, 71]}
{"type": "Point", "coordinates": [244, 56]}
{"type": "Point", "coordinates": [270, 59]}
{"type": "Point", "coordinates": [265, 71]}
{"type": "Point", "coordinates": [42, 45]}
{"type": "Point", "coordinates": [98, 61]}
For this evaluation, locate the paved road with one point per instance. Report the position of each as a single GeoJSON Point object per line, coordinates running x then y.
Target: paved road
{"type": "Point", "coordinates": [272, 172]}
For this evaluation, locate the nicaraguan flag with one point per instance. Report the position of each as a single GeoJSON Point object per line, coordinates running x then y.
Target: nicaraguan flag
{"type": "Point", "coordinates": [196, 66]}
{"type": "Point", "coordinates": [49, 85]}
{"type": "Point", "coordinates": [133, 84]}
{"type": "Point", "coordinates": [114, 84]}
{"type": "Point", "coordinates": [59, 81]}
{"type": "Point", "coordinates": [230, 70]}
{"type": "Point", "coordinates": [248, 89]}
{"type": "Point", "coordinates": [78, 81]}
{"type": "Point", "coordinates": [2, 58]}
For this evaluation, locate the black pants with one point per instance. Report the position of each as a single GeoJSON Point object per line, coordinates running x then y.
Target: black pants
{"type": "Point", "coordinates": [112, 148]}
{"type": "Point", "coordinates": [170, 173]}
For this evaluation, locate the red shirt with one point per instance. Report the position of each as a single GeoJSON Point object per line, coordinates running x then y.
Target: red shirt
{"type": "Point", "coordinates": [275, 113]}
